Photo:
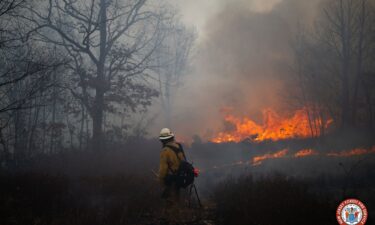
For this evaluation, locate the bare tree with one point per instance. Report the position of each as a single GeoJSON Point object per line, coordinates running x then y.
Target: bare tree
{"type": "Point", "coordinates": [173, 57]}
{"type": "Point", "coordinates": [111, 42]}
{"type": "Point", "coordinates": [363, 47]}
{"type": "Point", "coordinates": [313, 81]}
{"type": "Point", "coordinates": [331, 60]}
{"type": "Point", "coordinates": [339, 32]}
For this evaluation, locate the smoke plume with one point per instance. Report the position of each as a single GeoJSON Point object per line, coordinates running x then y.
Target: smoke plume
{"type": "Point", "coordinates": [242, 60]}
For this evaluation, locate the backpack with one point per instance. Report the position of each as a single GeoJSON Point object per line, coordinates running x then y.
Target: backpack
{"type": "Point", "coordinates": [185, 172]}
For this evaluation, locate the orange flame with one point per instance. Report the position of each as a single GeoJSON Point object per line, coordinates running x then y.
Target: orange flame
{"type": "Point", "coordinates": [305, 153]}
{"type": "Point", "coordinates": [353, 152]}
{"type": "Point", "coordinates": [274, 127]}
{"type": "Point", "coordinates": [257, 160]}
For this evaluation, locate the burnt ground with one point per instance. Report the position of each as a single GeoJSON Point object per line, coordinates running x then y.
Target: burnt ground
{"type": "Point", "coordinates": [120, 199]}
{"type": "Point", "coordinates": [117, 186]}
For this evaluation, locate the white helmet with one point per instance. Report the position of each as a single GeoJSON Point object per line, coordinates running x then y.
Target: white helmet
{"type": "Point", "coordinates": [165, 134]}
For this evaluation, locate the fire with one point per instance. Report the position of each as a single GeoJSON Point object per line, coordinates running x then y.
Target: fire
{"type": "Point", "coordinates": [353, 152]}
{"type": "Point", "coordinates": [257, 160]}
{"type": "Point", "coordinates": [273, 128]}
{"type": "Point", "coordinates": [305, 153]}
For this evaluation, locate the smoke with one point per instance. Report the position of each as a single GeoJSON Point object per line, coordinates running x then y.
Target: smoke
{"type": "Point", "coordinates": [242, 61]}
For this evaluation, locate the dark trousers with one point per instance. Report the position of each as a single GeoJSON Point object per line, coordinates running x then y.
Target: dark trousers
{"type": "Point", "coordinates": [171, 192]}
{"type": "Point", "coordinates": [171, 197]}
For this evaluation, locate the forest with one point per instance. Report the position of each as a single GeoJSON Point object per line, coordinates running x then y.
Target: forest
{"type": "Point", "coordinates": [273, 102]}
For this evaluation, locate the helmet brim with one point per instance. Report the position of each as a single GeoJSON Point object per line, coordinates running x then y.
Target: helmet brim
{"type": "Point", "coordinates": [166, 137]}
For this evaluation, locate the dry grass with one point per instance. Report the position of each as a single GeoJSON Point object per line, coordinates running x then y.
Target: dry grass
{"type": "Point", "coordinates": [270, 200]}
{"type": "Point", "coordinates": [45, 199]}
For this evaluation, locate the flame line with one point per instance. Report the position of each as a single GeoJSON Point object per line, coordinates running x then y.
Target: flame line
{"type": "Point", "coordinates": [257, 160]}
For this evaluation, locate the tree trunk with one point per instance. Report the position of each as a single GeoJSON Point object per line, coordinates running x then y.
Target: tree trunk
{"type": "Point", "coordinates": [6, 152]}
{"type": "Point", "coordinates": [168, 107]}
{"type": "Point", "coordinates": [369, 105]}
{"type": "Point", "coordinates": [345, 108]}
{"type": "Point", "coordinates": [362, 18]}
{"type": "Point", "coordinates": [87, 130]}
{"type": "Point", "coordinates": [345, 39]}
{"type": "Point", "coordinates": [31, 145]}
{"type": "Point", "coordinates": [98, 108]}
{"type": "Point", "coordinates": [53, 122]}
{"type": "Point", "coordinates": [19, 136]}
{"type": "Point", "coordinates": [97, 122]}
{"type": "Point", "coordinates": [44, 127]}
{"type": "Point", "coordinates": [81, 127]}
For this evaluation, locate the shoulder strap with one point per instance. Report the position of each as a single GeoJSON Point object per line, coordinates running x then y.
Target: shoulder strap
{"type": "Point", "coordinates": [176, 150]}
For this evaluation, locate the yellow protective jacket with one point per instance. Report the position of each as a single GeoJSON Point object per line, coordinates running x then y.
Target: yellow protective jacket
{"type": "Point", "coordinates": [169, 162]}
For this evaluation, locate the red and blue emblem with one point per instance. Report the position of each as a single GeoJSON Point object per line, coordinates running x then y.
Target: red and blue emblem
{"type": "Point", "coordinates": [351, 212]}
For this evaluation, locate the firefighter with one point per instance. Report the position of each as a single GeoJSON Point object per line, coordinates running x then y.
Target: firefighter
{"type": "Point", "coordinates": [169, 163]}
